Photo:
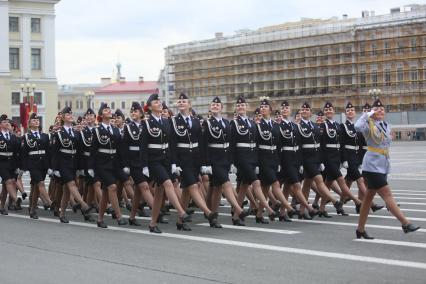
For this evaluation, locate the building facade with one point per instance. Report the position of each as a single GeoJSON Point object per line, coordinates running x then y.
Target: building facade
{"type": "Point", "coordinates": [338, 60]}
{"type": "Point", "coordinates": [77, 96]}
{"type": "Point", "coordinates": [121, 94]}
{"type": "Point", "coordinates": [27, 56]}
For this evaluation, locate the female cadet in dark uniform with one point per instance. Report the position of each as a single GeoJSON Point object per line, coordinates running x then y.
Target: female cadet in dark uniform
{"type": "Point", "coordinates": [268, 145]}
{"type": "Point", "coordinates": [311, 156]}
{"type": "Point", "coordinates": [156, 154]}
{"type": "Point", "coordinates": [9, 161]}
{"type": "Point", "coordinates": [291, 157]}
{"type": "Point", "coordinates": [35, 158]}
{"type": "Point", "coordinates": [330, 147]}
{"type": "Point", "coordinates": [64, 163]}
{"type": "Point", "coordinates": [105, 161]}
{"type": "Point", "coordinates": [376, 166]}
{"type": "Point", "coordinates": [217, 162]}
{"type": "Point", "coordinates": [350, 154]}
{"type": "Point", "coordinates": [131, 156]}
{"type": "Point", "coordinates": [186, 144]}
{"type": "Point", "coordinates": [245, 156]}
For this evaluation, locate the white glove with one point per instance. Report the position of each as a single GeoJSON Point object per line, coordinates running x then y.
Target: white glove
{"type": "Point", "coordinates": [145, 171]}
{"type": "Point", "coordinates": [321, 167]}
{"type": "Point", "coordinates": [301, 170]}
{"type": "Point", "coordinates": [371, 112]}
{"type": "Point", "coordinates": [49, 172]}
{"type": "Point", "coordinates": [176, 170]}
{"type": "Point", "coordinates": [279, 168]}
{"type": "Point", "coordinates": [126, 170]}
{"type": "Point", "coordinates": [256, 170]}
{"type": "Point", "coordinates": [57, 173]}
{"type": "Point", "coordinates": [345, 165]}
{"type": "Point", "coordinates": [91, 172]}
{"type": "Point", "coordinates": [233, 169]}
{"type": "Point", "coordinates": [209, 170]}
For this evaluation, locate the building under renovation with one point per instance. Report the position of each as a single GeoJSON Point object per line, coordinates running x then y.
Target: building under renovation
{"type": "Point", "coordinates": [313, 59]}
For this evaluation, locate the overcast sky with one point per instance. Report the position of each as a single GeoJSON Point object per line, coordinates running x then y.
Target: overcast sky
{"type": "Point", "coordinates": [92, 35]}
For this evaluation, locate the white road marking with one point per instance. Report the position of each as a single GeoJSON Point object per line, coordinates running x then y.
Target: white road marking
{"type": "Point", "coordinates": [257, 229]}
{"type": "Point", "coordinates": [390, 242]}
{"type": "Point", "coordinates": [333, 255]}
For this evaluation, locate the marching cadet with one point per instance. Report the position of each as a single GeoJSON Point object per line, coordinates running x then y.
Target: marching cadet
{"type": "Point", "coordinates": [268, 145]}
{"type": "Point", "coordinates": [245, 156]}
{"type": "Point", "coordinates": [160, 167]}
{"type": "Point", "coordinates": [376, 167]}
{"type": "Point", "coordinates": [105, 162]}
{"type": "Point", "coordinates": [35, 158]}
{"type": "Point", "coordinates": [257, 115]}
{"type": "Point", "coordinates": [64, 163]}
{"type": "Point", "coordinates": [186, 142]}
{"type": "Point", "coordinates": [9, 162]}
{"type": "Point", "coordinates": [91, 181]}
{"type": "Point", "coordinates": [125, 183]}
{"type": "Point", "coordinates": [217, 163]}
{"type": "Point", "coordinates": [131, 156]}
{"type": "Point", "coordinates": [362, 143]}
{"type": "Point", "coordinates": [312, 166]}
{"type": "Point", "coordinates": [350, 155]}
{"type": "Point", "coordinates": [278, 117]}
{"type": "Point", "coordinates": [291, 157]}
{"type": "Point", "coordinates": [331, 139]}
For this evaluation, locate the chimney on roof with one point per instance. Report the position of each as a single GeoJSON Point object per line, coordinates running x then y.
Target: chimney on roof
{"type": "Point", "coordinates": [122, 79]}
{"type": "Point", "coordinates": [105, 81]}
{"type": "Point", "coordinates": [140, 79]}
{"type": "Point", "coordinates": [345, 16]}
{"type": "Point", "coordinates": [218, 35]}
{"type": "Point", "coordinates": [395, 10]}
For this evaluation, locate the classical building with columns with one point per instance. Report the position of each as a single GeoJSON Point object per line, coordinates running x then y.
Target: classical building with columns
{"type": "Point", "coordinates": [27, 56]}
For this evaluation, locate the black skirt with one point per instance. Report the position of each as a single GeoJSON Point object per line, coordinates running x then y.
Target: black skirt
{"type": "Point", "coordinates": [375, 181]}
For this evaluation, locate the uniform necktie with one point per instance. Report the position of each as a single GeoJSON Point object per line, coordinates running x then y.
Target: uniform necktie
{"type": "Point", "coordinates": [248, 122]}
{"type": "Point", "coordinates": [7, 136]}
{"type": "Point", "coordinates": [36, 135]}
{"type": "Point", "coordinates": [160, 121]}
{"type": "Point", "coordinates": [109, 129]}
{"type": "Point", "coordinates": [270, 123]}
{"type": "Point", "coordinates": [187, 122]}
{"type": "Point", "coordinates": [382, 125]}
{"type": "Point", "coordinates": [223, 123]}
{"type": "Point", "coordinates": [70, 132]}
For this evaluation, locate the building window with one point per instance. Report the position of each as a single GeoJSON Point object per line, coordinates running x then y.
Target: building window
{"type": "Point", "coordinates": [362, 79]}
{"type": "Point", "coordinates": [35, 59]}
{"type": "Point", "coordinates": [16, 98]}
{"type": "Point", "coordinates": [361, 49]}
{"type": "Point", "coordinates": [387, 47]}
{"type": "Point", "coordinates": [413, 75]}
{"type": "Point", "coordinates": [13, 58]}
{"type": "Point", "coordinates": [374, 78]}
{"type": "Point", "coordinates": [400, 47]}
{"type": "Point", "coordinates": [413, 45]}
{"type": "Point", "coordinates": [35, 25]}
{"type": "Point", "coordinates": [374, 49]}
{"type": "Point", "coordinates": [112, 105]}
{"type": "Point", "coordinates": [13, 24]}
{"type": "Point", "coordinates": [38, 98]}
{"type": "Point", "coordinates": [400, 74]}
{"type": "Point", "coordinates": [387, 77]}
{"type": "Point", "coordinates": [123, 105]}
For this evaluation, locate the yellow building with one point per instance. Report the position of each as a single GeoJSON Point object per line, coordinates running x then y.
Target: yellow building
{"type": "Point", "coordinates": [313, 59]}
{"type": "Point", "coordinates": [27, 56]}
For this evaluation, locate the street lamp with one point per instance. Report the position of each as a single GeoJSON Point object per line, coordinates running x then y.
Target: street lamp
{"type": "Point", "coordinates": [26, 107]}
{"type": "Point", "coordinates": [89, 95]}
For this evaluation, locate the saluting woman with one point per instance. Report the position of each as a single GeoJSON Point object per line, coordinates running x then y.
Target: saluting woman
{"type": "Point", "coordinates": [376, 167]}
